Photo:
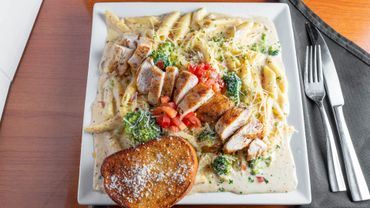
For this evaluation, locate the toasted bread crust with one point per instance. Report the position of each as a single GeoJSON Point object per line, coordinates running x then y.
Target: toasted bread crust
{"type": "Point", "coordinates": [158, 173]}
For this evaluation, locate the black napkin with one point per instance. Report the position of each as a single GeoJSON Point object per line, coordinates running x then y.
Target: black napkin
{"type": "Point", "coordinates": [353, 67]}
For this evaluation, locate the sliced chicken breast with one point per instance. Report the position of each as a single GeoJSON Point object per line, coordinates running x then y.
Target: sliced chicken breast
{"type": "Point", "coordinates": [143, 49]}
{"type": "Point", "coordinates": [115, 58]}
{"type": "Point", "coordinates": [196, 97]}
{"type": "Point", "coordinates": [156, 85]}
{"type": "Point", "coordinates": [211, 111]}
{"type": "Point", "coordinates": [172, 73]}
{"type": "Point", "coordinates": [243, 136]}
{"type": "Point", "coordinates": [231, 121]}
{"type": "Point", "coordinates": [256, 148]}
{"type": "Point", "coordinates": [144, 76]}
{"type": "Point", "coordinates": [185, 82]}
{"type": "Point", "coordinates": [129, 41]}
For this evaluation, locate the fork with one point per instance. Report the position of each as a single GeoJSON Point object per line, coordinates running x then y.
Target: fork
{"type": "Point", "coordinates": [314, 89]}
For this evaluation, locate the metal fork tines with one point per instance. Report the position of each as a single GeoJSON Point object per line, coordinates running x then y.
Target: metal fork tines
{"type": "Point", "coordinates": [314, 89]}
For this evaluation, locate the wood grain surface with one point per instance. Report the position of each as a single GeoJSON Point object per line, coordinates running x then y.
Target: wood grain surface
{"type": "Point", "coordinates": [40, 133]}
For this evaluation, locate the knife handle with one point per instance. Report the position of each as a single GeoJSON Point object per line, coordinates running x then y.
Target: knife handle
{"type": "Point", "coordinates": [356, 180]}
{"type": "Point", "coordinates": [335, 173]}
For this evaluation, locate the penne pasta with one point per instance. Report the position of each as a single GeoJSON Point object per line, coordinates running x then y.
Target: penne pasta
{"type": "Point", "coordinates": [104, 126]}
{"type": "Point", "coordinates": [168, 22]}
{"type": "Point", "coordinates": [269, 81]}
{"type": "Point", "coordinates": [182, 27]}
{"type": "Point", "coordinates": [197, 17]}
{"type": "Point", "coordinates": [115, 26]}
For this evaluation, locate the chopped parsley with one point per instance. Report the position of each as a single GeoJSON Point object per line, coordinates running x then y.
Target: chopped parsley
{"type": "Point", "coordinates": [262, 47]}
{"type": "Point", "coordinates": [272, 51]}
{"type": "Point", "coordinates": [221, 189]}
{"type": "Point", "coordinates": [250, 180]}
{"type": "Point", "coordinates": [164, 56]}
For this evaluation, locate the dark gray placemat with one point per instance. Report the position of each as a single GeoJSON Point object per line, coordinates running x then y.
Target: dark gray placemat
{"type": "Point", "coordinates": [353, 66]}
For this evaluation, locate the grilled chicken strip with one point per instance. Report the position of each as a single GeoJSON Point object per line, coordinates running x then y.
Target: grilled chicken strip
{"type": "Point", "coordinates": [115, 58]}
{"type": "Point", "coordinates": [211, 111]}
{"type": "Point", "coordinates": [169, 80]}
{"type": "Point", "coordinates": [144, 46]}
{"type": "Point", "coordinates": [231, 121]}
{"type": "Point", "coordinates": [129, 41]}
{"type": "Point", "coordinates": [256, 148]}
{"type": "Point", "coordinates": [243, 136]}
{"type": "Point", "coordinates": [156, 85]}
{"type": "Point", "coordinates": [196, 97]}
{"type": "Point", "coordinates": [144, 76]}
{"type": "Point", "coordinates": [184, 83]}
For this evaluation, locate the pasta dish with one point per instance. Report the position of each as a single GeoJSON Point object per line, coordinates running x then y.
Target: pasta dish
{"type": "Point", "coordinates": [215, 80]}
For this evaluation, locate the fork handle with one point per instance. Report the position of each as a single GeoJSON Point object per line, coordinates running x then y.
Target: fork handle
{"type": "Point", "coordinates": [336, 178]}
{"type": "Point", "coordinates": [356, 180]}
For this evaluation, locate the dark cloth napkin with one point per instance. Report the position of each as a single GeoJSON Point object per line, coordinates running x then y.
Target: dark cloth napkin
{"type": "Point", "coordinates": [353, 67]}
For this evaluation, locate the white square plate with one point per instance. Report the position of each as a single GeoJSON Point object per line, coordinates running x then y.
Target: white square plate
{"type": "Point", "coordinates": [280, 15]}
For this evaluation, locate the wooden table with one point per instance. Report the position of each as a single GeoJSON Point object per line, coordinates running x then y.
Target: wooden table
{"type": "Point", "coordinates": [40, 133]}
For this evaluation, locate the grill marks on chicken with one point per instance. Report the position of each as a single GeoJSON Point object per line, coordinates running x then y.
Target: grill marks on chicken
{"type": "Point", "coordinates": [184, 83]}
{"type": "Point", "coordinates": [196, 97]}
{"type": "Point", "coordinates": [211, 111]}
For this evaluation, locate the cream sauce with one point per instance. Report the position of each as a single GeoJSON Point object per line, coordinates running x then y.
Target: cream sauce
{"type": "Point", "coordinates": [281, 177]}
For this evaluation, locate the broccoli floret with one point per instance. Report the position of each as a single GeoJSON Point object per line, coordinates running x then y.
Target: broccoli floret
{"type": "Point", "coordinates": [207, 135]}
{"type": "Point", "coordinates": [222, 165]}
{"type": "Point", "coordinates": [164, 54]}
{"type": "Point", "coordinates": [140, 126]}
{"type": "Point", "coordinates": [233, 86]}
{"type": "Point", "coordinates": [258, 164]}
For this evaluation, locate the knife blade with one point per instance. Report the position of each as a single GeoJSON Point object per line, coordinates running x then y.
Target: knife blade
{"type": "Point", "coordinates": [356, 179]}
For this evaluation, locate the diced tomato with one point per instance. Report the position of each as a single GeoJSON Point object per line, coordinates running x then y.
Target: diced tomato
{"type": "Point", "coordinates": [165, 99]}
{"type": "Point", "coordinates": [196, 122]}
{"type": "Point", "coordinates": [207, 75]}
{"type": "Point", "coordinates": [160, 64]}
{"type": "Point", "coordinates": [260, 179]}
{"type": "Point", "coordinates": [169, 111]}
{"type": "Point", "coordinates": [189, 115]}
{"type": "Point", "coordinates": [165, 109]}
{"type": "Point", "coordinates": [157, 111]}
{"type": "Point", "coordinates": [177, 122]}
{"type": "Point", "coordinates": [164, 121]}
{"type": "Point", "coordinates": [170, 104]}
{"type": "Point", "coordinates": [186, 122]}
{"type": "Point", "coordinates": [191, 120]}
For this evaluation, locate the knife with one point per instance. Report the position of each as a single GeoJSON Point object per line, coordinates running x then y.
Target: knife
{"type": "Point", "coordinates": [355, 177]}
